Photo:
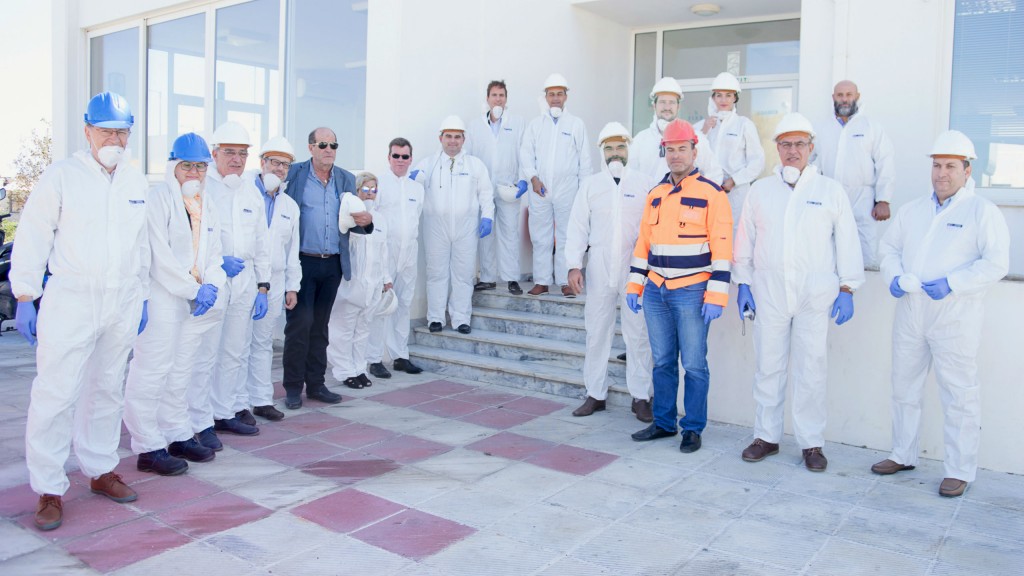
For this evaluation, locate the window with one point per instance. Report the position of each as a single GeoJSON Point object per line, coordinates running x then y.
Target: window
{"type": "Point", "coordinates": [987, 99]}
{"type": "Point", "coordinates": [757, 49]}
{"type": "Point", "coordinates": [644, 55]}
{"type": "Point", "coordinates": [114, 67]}
{"type": "Point", "coordinates": [176, 85]}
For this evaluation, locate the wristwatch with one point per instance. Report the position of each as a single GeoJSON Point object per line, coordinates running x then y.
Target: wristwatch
{"type": "Point", "coordinates": [263, 285]}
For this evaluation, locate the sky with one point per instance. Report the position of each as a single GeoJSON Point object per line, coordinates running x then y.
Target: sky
{"type": "Point", "coordinates": [26, 83]}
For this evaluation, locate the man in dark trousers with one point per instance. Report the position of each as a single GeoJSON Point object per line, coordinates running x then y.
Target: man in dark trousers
{"type": "Point", "coordinates": [316, 185]}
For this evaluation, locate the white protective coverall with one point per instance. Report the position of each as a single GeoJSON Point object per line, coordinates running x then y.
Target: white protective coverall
{"type": "Point", "coordinates": [499, 250]}
{"type": "Point", "coordinates": [400, 202]}
{"type": "Point", "coordinates": [645, 156]}
{"type": "Point", "coordinates": [90, 228]}
{"type": "Point", "coordinates": [795, 248]}
{"type": "Point", "coordinates": [358, 299]}
{"type": "Point", "coordinates": [737, 148]}
{"type": "Point", "coordinates": [558, 154]}
{"type": "Point", "coordinates": [606, 216]}
{"type": "Point", "coordinates": [285, 276]}
{"type": "Point", "coordinates": [968, 244]}
{"type": "Point", "coordinates": [160, 374]}
{"type": "Point", "coordinates": [860, 157]}
{"type": "Point", "coordinates": [458, 194]}
{"type": "Point", "coordinates": [243, 235]}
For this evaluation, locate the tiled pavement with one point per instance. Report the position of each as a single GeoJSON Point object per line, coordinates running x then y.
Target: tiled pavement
{"type": "Point", "coordinates": [423, 475]}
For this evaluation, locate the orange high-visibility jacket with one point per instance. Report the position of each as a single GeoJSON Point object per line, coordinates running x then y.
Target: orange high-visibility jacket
{"type": "Point", "coordinates": [685, 239]}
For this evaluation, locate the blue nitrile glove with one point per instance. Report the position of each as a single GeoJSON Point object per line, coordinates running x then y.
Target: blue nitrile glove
{"type": "Point", "coordinates": [521, 186]}
{"type": "Point", "coordinates": [259, 308]}
{"type": "Point", "coordinates": [543, 191]}
{"type": "Point", "coordinates": [486, 225]}
{"type": "Point", "coordinates": [413, 175]}
{"type": "Point", "coordinates": [842, 309]}
{"type": "Point", "coordinates": [895, 290]}
{"type": "Point", "coordinates": [936, 289]}
{"type": "Point", "coordinates": [205, 299]}
{"type": "Point", "coordinates": [25, 321]}
{"type": "Point", "coordinates": [633, 302]}
{"type": "Point", "coordinates": [745, 299]}
{"type": "Point", "coordinates": [232, 266]}
{"type": "Point", "coordinates": [710, 312]}
{"type": "Point", "coordinates": [145, 316]}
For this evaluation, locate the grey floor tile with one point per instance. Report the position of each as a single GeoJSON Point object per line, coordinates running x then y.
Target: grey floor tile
{"type": "Point", "coordinates": [999, 489]}
{"type": "Point", "coordinates": [891, 532]}
{"type": "Point", "coordinates": [409, 486]}
{"type": "Point", "coordinates": [476, 507]}
{"type": "Point", "coordinates": [844, 558]}
{"type": "Point", "coordinates": [731, 496]}
{"type": "Point", "coordinates": [715, 563]}
{"type": "Point", "coordinates": [781, 546]}
{"type": "Point", "coordinates": [977, 553]}
{"type": "Point", "coordinates": [918, 505]}
{"type": "Point", "coordinates": [271, 539]}
{"type": "Point", "coordinates": [343, 556]}
{"type": "Point", "coordinates": [464, 465]}
{"type": "Point", "coordinates": [766, 473]}
{"type": "Point", "coordinates": [15, 540]}
{"type": "Point", "coordinates": [785, 509]}
{"type": "Point", "coordinates": [189, 559]}
{"type": "Point", "coordinates": [535, 482]}
{"type": "Point", "coordinates": [490, 554]}
{"type": "Point", "coordinates": [285, 489]}
{"type": "Point", "coordinates": [666, 515]}
{"type": "Point", "coordinates": [454, 433]}
{"type": "Point", "coordinates": [827, 485]}
{"type": "Point", "coordinates": [601, 499]}
{"type": "Point", "coordinates": [641, 474]}
{"type": "Point", "coordinates": [548, 526]}
{"type": "Point", "coordinates": [242, 469]}
{"type": "Point", "coordinates": [625, 551]}
{"type": "Point", "coordinates": [571, 567]}
{"type": "Point", "coordinates": [48, 561]}
{"type": "Point", "coordinates": [980, 518]}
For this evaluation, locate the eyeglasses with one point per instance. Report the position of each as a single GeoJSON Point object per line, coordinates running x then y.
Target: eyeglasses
{"type": "Point", "coordinates": [402, 156]}
{"type": "Point", "coordinates": [279, 163]}
{"type": "Point", "coordinates": [322, 145]}
{"type": "Point", "coordinates": [368, 190]}
{"type": "Point", "coordinates": [188, 166]}
{"type": "Point", "coordinates": [801, 145]}
{"type": "Point", "coordinates": [108, 132]}
{"type": "Point", "coordinates": [229, 152]}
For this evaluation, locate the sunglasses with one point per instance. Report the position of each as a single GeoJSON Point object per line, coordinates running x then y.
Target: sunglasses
{"type": "Point", "coordinates": [368, 190]}
{"type": "Point", "coordinates": [402, 156]}
{"type": "Point", "coordinates": [322, 145]}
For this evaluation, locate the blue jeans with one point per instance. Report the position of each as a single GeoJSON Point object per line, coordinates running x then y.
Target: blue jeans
{"type": "Point", "coordinates": [676, 329]}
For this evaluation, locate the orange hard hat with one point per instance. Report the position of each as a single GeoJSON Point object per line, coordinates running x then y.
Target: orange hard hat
{"type": "Point", "coordinates": [678, 131]}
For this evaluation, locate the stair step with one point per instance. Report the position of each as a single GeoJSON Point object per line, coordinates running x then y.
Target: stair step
{"type": "Point", "coordinates": [536, 325]}
{"type": "Point", "coordinates": [545, 304]}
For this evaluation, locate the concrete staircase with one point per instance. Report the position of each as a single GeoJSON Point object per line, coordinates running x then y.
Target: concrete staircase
{"type": "Point", "coordinates": [532, 342]}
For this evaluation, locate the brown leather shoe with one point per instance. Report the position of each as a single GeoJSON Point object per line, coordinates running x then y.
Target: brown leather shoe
{"type": "Point", "coordinates": [538, 289]}
{"type": "Point", "coordinates": [589, 406]}
{"type": "Point", "coordinates": [49, 512]}
{"type": "Point", "coordinates": [886, 467]}
{"type": "Point", "coordinates": [642, 409]}
{"type": "Point", "coordinates": [568, 292]}
{"type": "Point", "coordinates": [111, 486]}
{"type": "Point", "coordinates": [759, 450]}
{"type": "Point", "coordinates": [950, 487]}
{"type": "Point", "coordinates": [814, 460]}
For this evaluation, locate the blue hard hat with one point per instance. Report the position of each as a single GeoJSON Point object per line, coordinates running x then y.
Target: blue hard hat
{"type": "Point", "coordinates": [191, 148]}
{"type": "Point", "coordinates": [109, 110]}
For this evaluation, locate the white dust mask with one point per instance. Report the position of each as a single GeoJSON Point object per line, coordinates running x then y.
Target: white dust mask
{"type": "Point", "coordinates": [790, 174]}
{"type": "Point", "coordinates": [497, 111]}
{"type": "Point", "coordinates": [190, 188]}
{"type": "Point", "coordinates": [271, 181]}
{"type": "Point", "coordinates": [233, 181]}
{"type": "Point", "coordinates": [110, 156]}
{"type": "Point", "coordinates": [615, 167]}
{"type": "Point", "coordinates": [556, 112]}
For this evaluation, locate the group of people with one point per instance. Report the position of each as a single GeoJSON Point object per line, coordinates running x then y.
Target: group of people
{"type": "Point", "coordinates": [193, 273]}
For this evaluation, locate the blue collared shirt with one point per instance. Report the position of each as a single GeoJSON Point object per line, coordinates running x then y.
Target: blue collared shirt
{"type": "Point", "coordinates": [495, 126]}
{"type": "Point", "coordinates": [940, 206]}
{"type": "Point", "coordinates": [268, 199]}
{"type": "Point", "coordinates": [319, 216]}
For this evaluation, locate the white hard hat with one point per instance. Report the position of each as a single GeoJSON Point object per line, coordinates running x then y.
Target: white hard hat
{"type": "Point", "coordinates": [387, 304]}
{"type": "Point", "coordinates": [230, 132]}
{"type": "Point", "coordinates": [725, 81]}
{"type": "Point", "coordinates": [507, 192]}
{"type": "Point", "coordinates": [793, 122]}
{"type": "Point", "coordinates": [953, 143]}
{"type": "Point", "coordinates": [612, 130]}
{"type": "Point", "coordinates": [452, 123]}
{"type": "Point", "coordinates": [349, 203]}
{"type": "Point", "coordinates": [667, 85]}
{"type": "Point", "coordinates": [556, 80]}
{"type": "Point", "coordinates": [278, 145]}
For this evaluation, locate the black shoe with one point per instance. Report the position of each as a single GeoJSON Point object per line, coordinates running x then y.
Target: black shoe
{"type": "Point", "coordinates": [293, 402]}
{"type": "Point", "coordinates": [513, 288]}
{"type": "Point", "coordinates": [652, 432]}
{"type": "Point", "coordinates": [162, 463]}
{"type": "Point", "coordinates": [235, 426]}
{"type": "Point", "coordinates": [366, 381]}
{"type": "Point", "coordinates": [245, 417]}
{"type": "Point", "coordinates": [407, 366]}
{"type": "Point", "coordinates": [690, 443]}
{"type": "Point", "coordinates": [378, 370]}
{"type": "Point", "coordinates": [209, 439]}
{"type": "Point", "coordinates": [323, 395]}
{"type": "Point", "coordinates": [191, 450]}
{"type": "Point", "coordinates": [485, 286]}
{"type": "Point", "coordinates": [622, 356]}
{"type": "Point", "coordinates": [464, 329]}
{"type": "Point", "coordinates": [269, 412]}
{"type": "Point", "coordinates": [354, 383]}
{"type": "Point", "coordinates": [435, 326]}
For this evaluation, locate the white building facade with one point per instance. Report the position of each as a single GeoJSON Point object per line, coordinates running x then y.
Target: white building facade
{"type": "Point", "coordinates": [373, 70]}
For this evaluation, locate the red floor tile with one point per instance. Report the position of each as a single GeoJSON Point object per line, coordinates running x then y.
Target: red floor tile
{"type": "Point", "coordinates": [402, 398]}
{"type": "Point", "coordinates": [572, 460]}
{"type": "Point", "coordinates": [485, 398]}
{"type": "Point", "coordinates": [19, 500]}
{"type": "Point", "coordinates": [172, 491]}
{"type": "Point", "coordinates": [498, 418]}
{"type": "Point", "coordinates": [350, 467]}
{"type": "Point", "coordinates": [535, 406]}
{"type": "Point", "coordinates": [414, 534]}
{"type": "Point", "coordinates": [308, 423]}
{"type": "Point", "coordinates": [269, 435]}
{"type": "Point", "coordinates": [126, 469]}
{"type": "Point", "coordinates": [279, 391]}
{"type": "Point", "coordinates": [441, 388]}
{"type": "Point", "coordinates": [448, 408]}
{"type": "Point", "coordinates": [214, 514]}
{"type": "Point", "coordinates": [511, 446]}
{"type": "Point", "coordinates": [126, 544]}
{"type": "Point", "coordinates": [407, 449]}
{"type": "Point", "coordinates": [356, 435]}
{"type": "Point", "coordinates": [299, 451]}
{"type": "Point", "coordinates": [84, 516]}
{"type": "Point", "coordinates": [347, 510]}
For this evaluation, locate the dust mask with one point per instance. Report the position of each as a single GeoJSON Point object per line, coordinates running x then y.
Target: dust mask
{"type": "Point", "coordinates": [790, 174]}
{"type": "Point", "coordinates": [190, 188]}
{"type": "Point", "coordinates": [110, 156]}
{"type": "Point", "coordinates": [662, 123]}
{"type": "Point", "coordinates": [615, 167]}
{"type": "Point", "coordinates": [232, 181]}
{"type": "Point", "coordinates": [271, 182]}
{"type": "Point", "coordinates": [555, 111]}
{"type": "Point", "coordinates": [497, 111]}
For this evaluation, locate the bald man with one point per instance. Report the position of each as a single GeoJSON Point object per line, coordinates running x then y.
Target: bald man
{"type": "Point", "coordinates": [855, 151]}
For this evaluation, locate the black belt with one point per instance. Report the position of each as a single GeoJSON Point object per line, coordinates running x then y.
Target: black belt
{"type": "Point", "coordinates": [322, 256]}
